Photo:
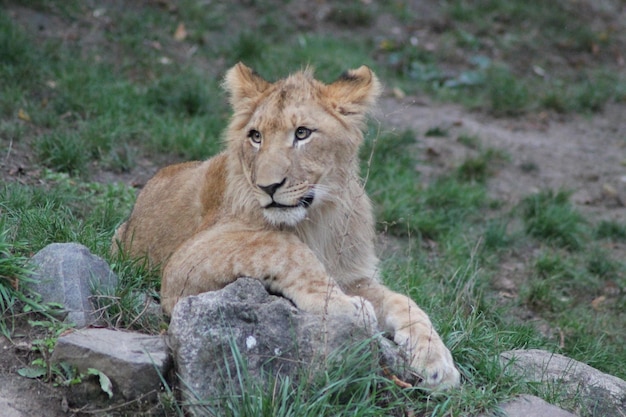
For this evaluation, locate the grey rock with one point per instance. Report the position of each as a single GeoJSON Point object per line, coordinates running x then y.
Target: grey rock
{"type": "Point", "coordinates": [529, 406]}
{"type": "Point", "coordinates": [276, 340]}
{"type": "Point", "coordinates": [66, 273]}
{"type": "Point", "coordinates": [597, 393]}
{"type": "Point", "coordinates": [135, 363]}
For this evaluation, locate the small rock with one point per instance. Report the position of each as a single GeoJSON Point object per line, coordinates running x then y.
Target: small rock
{"type": "Point", "coordinates": [530, 406]}
{"type": "Point", "coordinates": [134, 362]}
{"type": "Point", "coordinates": [66, 273]}
{"type": "Point", "coordinates": [599, 394]}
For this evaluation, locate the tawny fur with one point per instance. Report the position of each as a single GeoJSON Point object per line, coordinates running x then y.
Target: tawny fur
{"type": "Point", "coordinates": [208, 223]}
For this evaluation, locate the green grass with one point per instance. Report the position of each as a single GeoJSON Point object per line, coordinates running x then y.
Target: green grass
{"type": "Point", "coordinates": [551, 217]}
{"type": "Point", "coordinates": [507, 95]}
{"type": "Point", "coordinates": [348, 385]}
{"type": "Point", "coordinates": [403, 205]}
{"type": "Point", "coordinates": [518, 57]}
{"type": "Point", "coordinates": [15, 277]}
{"type": "Point", "coordinates": [611, 230]}
{"type": "Point", "coordinates": [64, 210]}
{"type": "Point", "coordinates": [482, 166]}
{"type": "Point", "coordinates": [133, 304]}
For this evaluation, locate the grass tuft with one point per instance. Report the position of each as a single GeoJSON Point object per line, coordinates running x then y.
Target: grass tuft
{"type": "Point", "coordinates": [348, 385]}
{"type": "Point", "coordinates": [351, 15]}
{"type": "Point", "coordinates": [549, 216]}
{"type": "Point", "coordinates": [15, 276]}
{"type": "Point", "coordinates": [63, 152]}
{"type": "Point", "coordinates": [481, 167]}
{"type": "Point", "coordinates": [611, 230]}
{"type": "Point", "coordinates": [508, 96]}
{"type": "Point", "coordinates": [134, 303]}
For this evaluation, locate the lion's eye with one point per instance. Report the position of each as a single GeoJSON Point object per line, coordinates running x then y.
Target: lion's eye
{"type": "Point", "coordinates": [255, 136]}
{"type": "Point", "coordinates": [303, 133]}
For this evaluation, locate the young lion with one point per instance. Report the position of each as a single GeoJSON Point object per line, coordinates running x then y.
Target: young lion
{"type": "Point", "coordinates": [283, 203]}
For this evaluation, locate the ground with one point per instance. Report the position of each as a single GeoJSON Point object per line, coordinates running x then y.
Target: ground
{"type": "Point", "coordinates": [583, 153]}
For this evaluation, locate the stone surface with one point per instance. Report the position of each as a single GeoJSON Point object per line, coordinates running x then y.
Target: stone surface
{"type": "Point", "coordinates": [529, 406]}
{"type": "Point", "coordinates": [209, 330]}
{"type": "Point", "coordinates": [133, 362]}
{"type": "Point", "coordinates": [66, 273]}
{"type": "Point", "coordinates": [598, 394]}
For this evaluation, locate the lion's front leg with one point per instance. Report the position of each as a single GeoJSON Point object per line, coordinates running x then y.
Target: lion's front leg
{"type": "Point", "coordinates": [216, 257]}
{"type": "Point", "coordinates": [412, 329]}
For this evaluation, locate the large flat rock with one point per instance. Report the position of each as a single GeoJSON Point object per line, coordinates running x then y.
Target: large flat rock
{"type": "Point", "coordinates": [133, 362]}
{"type": "Point", "coordinates": [598, 394]}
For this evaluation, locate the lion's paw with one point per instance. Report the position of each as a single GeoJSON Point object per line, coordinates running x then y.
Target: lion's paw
{"type": "Point", "coordinates": [433, 362]}
{"type": "Point", "coordinates": [357, 308]}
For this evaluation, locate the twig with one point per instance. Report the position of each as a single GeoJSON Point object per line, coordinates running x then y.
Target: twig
{"type": "Point", "coordinates": [145, 308]}
{"type": "Point", "coordinates": [6, 158]}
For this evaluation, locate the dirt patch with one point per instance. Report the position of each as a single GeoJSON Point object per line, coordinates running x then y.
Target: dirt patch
{"type": "Point", "coordinates": [25, 397]}
{"type": "Point", "coordinates": [21, 396]}
{"type": "Point", "coordinates": [581, 154]}
{"type": "Point", "coordinates": [578, 153]}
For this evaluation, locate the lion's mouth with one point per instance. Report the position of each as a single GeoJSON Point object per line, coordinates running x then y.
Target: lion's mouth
{"type": "Point", "coordinates": [304, 202]}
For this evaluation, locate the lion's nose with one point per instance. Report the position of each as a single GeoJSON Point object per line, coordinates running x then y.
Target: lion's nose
{"type": "Point", "coordinates": [271, 189]}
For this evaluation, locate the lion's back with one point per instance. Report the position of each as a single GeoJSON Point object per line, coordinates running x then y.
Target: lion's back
{"type": "Point", "coordinates": [171, 207]}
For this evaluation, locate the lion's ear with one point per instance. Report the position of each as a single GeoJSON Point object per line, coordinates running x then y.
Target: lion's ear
{"type": "Point", "coordinates": [243, 85]}
{"type": "Point", "coordinates": [355, 91]}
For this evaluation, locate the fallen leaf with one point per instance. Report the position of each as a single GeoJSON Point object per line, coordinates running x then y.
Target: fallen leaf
{"type": "Point", "coordinates": [595, 48]}
{"type": "Point", "coordinates": [398, 93]}
{"type": "Point", "coordinates": [608, 190]}
{"type": "Point", "coordinates": [387, 45]}
{"type": "Point", "coordinates": [32, 372]}
{"type": "Point", "coordinates": [66, 332]}
{"type": "Point", "coordinates": [597, 301]}
{"type": "Point", "coordinates": [15, 283]}
{"type": "Point", "coordinates": [432, 152]}
{"type": "Point", "coordinates": [22, 115]}
{"type": "Point", "coordinates": [181, 33]}
{"type": "Point", "coordinates": [105, 382]}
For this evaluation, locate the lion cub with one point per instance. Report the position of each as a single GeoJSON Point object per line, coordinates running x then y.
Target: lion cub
{"type": "Point", "coordinates": [283, 203]}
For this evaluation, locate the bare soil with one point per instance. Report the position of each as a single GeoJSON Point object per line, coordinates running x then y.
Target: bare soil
{"type": "Point", "coordinates": [585, 154]}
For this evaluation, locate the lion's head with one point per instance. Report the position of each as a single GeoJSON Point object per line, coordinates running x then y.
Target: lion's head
{"type": "Point", "coordinates": [297, 139]}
